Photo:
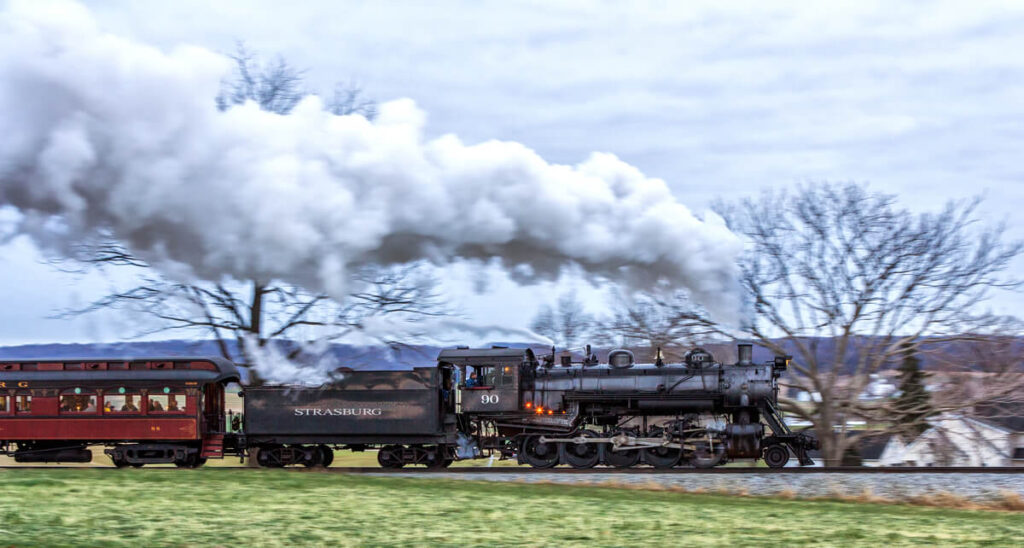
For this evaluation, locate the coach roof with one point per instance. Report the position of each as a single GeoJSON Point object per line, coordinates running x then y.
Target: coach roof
{"type": "Point", "coordinates": [206, 369]}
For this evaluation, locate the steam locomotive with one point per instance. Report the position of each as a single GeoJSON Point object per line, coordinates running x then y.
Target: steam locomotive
{"type": "Point", "coordinates": [472, 403]}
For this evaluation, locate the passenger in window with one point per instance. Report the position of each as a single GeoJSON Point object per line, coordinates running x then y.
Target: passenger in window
{"type": "Point", "coordinates": [67, 403]}
{"type": "Point", "coordinates": [172, 403]}
{"type": "Point", "coordinates": [108, 407]}
{"type": "Point", "coordinates": [129, 406]}
{"type": "Point", "coordinates": [90, 405]}
{"type": "Point", "coordinates": [154, 405]}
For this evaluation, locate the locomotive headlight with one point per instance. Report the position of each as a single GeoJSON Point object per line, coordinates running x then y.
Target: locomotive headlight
{"type": "Point", "coordinates": [529, 404]}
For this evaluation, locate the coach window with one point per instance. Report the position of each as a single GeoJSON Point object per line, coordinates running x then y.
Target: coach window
{"type": "Point", "coordinates": [166, 402]}
{"type": "Point", "coordinates": [77, 401]}
{"type": "Point", "coordinates": [22, 403]}
{"type": "Point", "coordinates": [3, 404]}
{"type": "Point", "coordinates": [121, 402]}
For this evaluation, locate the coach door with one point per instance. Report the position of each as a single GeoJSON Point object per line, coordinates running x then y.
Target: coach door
{"type": "Point", "coordinates": [213, 407]}
{"type": "Point", "coordinates": [490, 388]}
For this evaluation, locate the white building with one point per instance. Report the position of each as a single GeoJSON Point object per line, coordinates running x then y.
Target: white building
{"type": "Point", "coordinates": [990, 439]}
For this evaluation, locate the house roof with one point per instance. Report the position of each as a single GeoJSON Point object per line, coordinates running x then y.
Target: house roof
{"type": "Point", "coordinates": [1006, 415]}
{"type": "Point", "coordinates": [872, 446]}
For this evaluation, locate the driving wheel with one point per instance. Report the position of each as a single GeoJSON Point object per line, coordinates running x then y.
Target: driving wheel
{"type": "Point", "coordinates": [582, 455]}
{"type": "Point", "coordinates": [538, 454]}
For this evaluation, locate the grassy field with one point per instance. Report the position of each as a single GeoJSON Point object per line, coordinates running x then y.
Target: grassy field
{"type": "Point", "coordinates": [278, 508]}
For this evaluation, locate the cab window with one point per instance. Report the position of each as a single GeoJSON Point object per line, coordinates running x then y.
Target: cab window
{"type": "Point", "coordinates": [23, 403]}
{"type": "Point", "coordinates": [480, 376]}
{"type": "Point", "coordinates": [506, 376]}
{"type": "Point", "coordinates": [77, 403]}
{"type": "Point", "coordinates": [122, 403]}
{"type": "Point", "coordinates": [167, 403]}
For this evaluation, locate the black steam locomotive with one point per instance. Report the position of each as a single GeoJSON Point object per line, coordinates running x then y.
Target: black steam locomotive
{"type": "Point", "coordinates": [500, 401]}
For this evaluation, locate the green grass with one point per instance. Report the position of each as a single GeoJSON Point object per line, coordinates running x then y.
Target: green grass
{"type": "Point", "coordinates": [280, 508]}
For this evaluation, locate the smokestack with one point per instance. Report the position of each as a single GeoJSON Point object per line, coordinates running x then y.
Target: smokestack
{"type": "Point", "coordinates": [746, 352]}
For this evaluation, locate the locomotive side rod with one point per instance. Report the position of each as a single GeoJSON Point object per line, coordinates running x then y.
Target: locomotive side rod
{"type": "Point", "coordinates": [620, 444]}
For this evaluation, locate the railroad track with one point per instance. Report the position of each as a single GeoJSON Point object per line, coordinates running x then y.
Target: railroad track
{"type": "Point", "coordinates": [630, 471]}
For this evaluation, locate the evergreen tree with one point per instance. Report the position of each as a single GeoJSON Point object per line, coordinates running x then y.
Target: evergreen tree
{"type": "Point", "coordinates": [913, 405]}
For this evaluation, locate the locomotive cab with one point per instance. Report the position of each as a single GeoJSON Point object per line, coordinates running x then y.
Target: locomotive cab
{"type": "Point", "coordinates": [490, 380]}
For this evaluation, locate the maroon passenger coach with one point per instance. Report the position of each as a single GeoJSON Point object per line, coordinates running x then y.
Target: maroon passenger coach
{"type": "Point", "coordinates": [143, 411]}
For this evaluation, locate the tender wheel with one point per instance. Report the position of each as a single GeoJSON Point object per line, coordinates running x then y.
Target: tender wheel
{"type": "Point", "coordinates": [776, 456]}
{"type": "Point", "coordinates": [315, 457]}
{"type": "Point", "coordinates": [662, 457]}
{"type": "Point", "coordinates": [583, 455]}
{"type": "Point", "coordinates": [390, 456]}
{"type": "Point", "coordinates": [270, 457]}
{"type": "Point", "coordinates": [326, 455]}
{"type": "Point", "coordinates": [539, 455]}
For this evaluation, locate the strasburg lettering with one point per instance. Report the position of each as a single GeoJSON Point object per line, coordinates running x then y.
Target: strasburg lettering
{"type": "Point", "coordinates": [337, 411]}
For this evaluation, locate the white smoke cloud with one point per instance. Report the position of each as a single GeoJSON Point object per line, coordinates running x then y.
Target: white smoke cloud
{"type": "Point", "coordinates": [102, 133]}
{"type": "Point", "coordinates": [439, 331]}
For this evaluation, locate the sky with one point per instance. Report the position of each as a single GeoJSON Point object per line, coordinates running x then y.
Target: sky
{"type": "Point", "coordinates": [720, 100]}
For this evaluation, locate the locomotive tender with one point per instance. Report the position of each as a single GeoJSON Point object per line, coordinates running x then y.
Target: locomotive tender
{"type": "Point", "coordinates": [472, 403]}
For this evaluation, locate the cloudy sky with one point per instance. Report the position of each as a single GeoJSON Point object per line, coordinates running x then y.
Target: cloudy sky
{"type": "Point", "coordinates": [922, 99]}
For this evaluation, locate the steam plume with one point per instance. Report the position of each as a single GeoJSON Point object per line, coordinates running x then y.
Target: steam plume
{"type": "Point", "coordinates": [101, 133]}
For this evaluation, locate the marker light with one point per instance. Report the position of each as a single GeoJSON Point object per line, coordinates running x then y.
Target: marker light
{"type": "Point", "coordinates": [529, 404]}
{"type": "Point", "coordinates": [78, 390]}
{"type": "Point", "coordinates": [120, 390]}
{"type": "Point", "coordinates": [167, 390]}
{"type": "Point", "coordinates": [540, 410]}
{"type": "Point", "coordinates": [550, 412]}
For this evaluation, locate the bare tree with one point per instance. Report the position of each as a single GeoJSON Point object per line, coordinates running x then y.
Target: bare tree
{"type": "Point", "coordinates": [349, 99]}
{"type": "Point", "coordinates": [275, 87]}
{"type": "Point", "coordinates": [838, 265]}
{"type": "Point", "coordinates": [568, 324]}
{"type": "Point", "coordinates": [664, 319]}
{"type": "Point", "coordinates": [278, 86]}
{"type": "Point", "coordinates": [242, 315]}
